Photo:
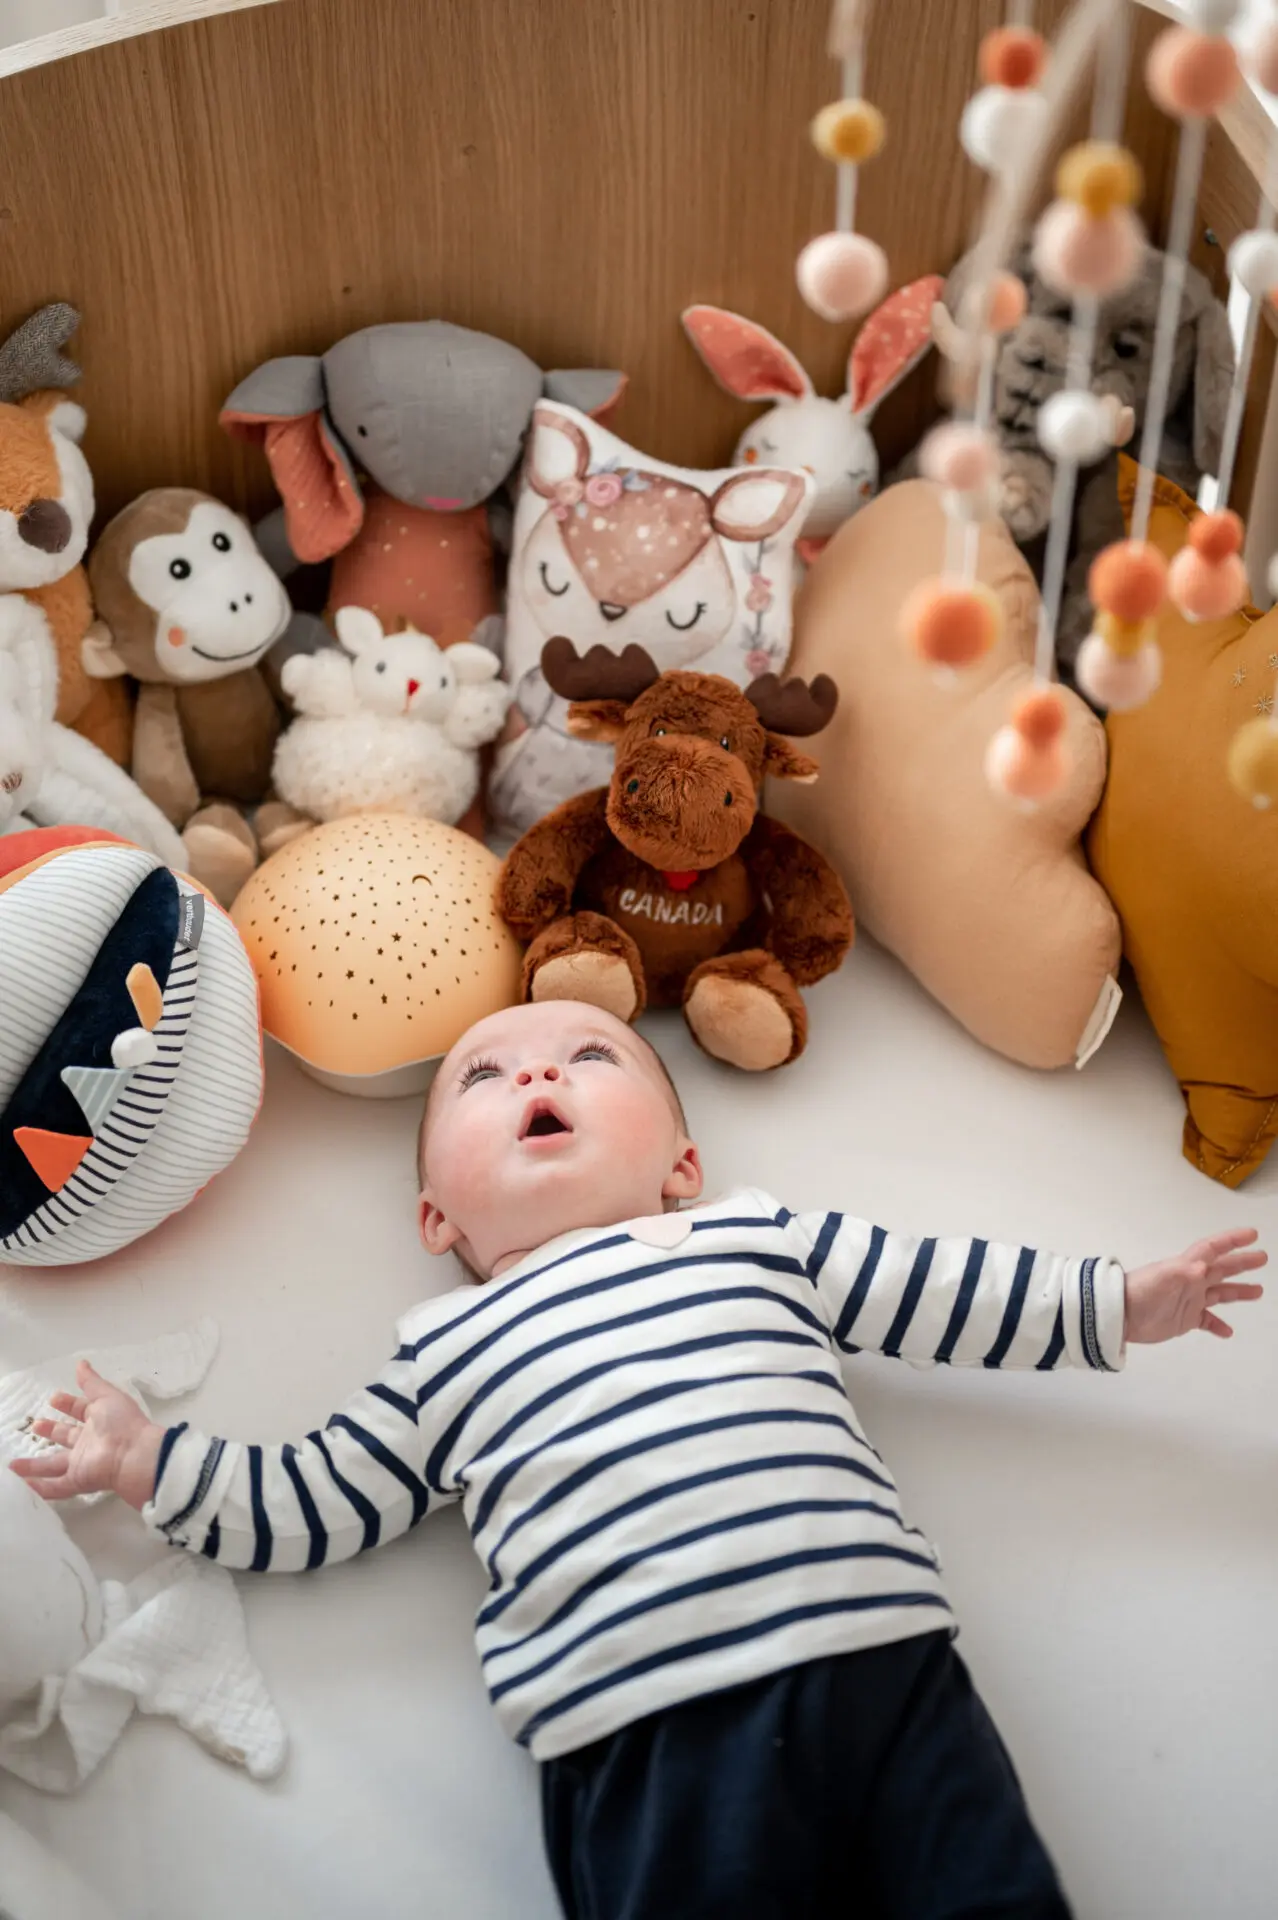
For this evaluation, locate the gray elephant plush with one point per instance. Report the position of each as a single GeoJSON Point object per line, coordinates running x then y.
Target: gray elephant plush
{"type": "Point", "coordinates": [1031, 367]}
{"type": "Point", "coordinates": [386, 451]}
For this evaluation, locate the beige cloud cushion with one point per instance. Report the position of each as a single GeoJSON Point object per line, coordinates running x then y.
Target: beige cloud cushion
{"type": "Point", "coordinates": [992, 909]}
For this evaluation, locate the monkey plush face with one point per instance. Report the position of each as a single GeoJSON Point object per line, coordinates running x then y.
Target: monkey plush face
{"type": "Point", "coordinates": [179, 580]}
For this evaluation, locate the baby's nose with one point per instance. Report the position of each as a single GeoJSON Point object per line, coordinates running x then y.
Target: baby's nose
{"type": "Point", "coordinates": [545, 1070]}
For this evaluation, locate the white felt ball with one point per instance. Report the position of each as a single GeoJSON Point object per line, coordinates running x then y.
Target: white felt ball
{"type": "Point", "coordinates": [1213, 16]}
{"type": "Point", "coordinates": [1253, 259]}
{"type": "Point", "coordinates": [998, 123]}
{"type": "Point", "coordinates": [842, 275]}
{"type": "Point", "coordinates": [134, 1048]}
{"type": "Point", "coordinates": [1074, 425]}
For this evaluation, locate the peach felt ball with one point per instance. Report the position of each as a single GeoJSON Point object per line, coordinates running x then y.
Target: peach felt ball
{"type": "Point", "coordinates": [1012, 57]}
{"type": "Point", "coordinates": [998, 307]}
{"type": "Point", "coordinates": [1129, 580]}
{"type": "Point", "coordinates": [841, 275]}
{"type": "Point", "coordinates": [1075, 252]}
{"type": "Point", "coordinates": [1191, 75]}
{"type": "Point", "coordinates": [949, 624]}
{"type": "Point", "coordinates": [959, 456]}
{"type": "Point", "coordinates": [1119, 666]}
{"type": "Point", "coordinates": [1207, 580]}
{"type": "Point", "coordinates": [1026, 760]}
{"type": "Point", "coordinates": [1253, 763]}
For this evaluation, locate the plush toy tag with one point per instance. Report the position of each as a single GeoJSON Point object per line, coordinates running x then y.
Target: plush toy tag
{"type": "Point", "coordinates": [190, 921]}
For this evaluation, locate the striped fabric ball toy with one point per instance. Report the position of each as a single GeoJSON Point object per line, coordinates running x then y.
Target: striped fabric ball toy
{"type": "Point", "coordinates": [130, 1048]}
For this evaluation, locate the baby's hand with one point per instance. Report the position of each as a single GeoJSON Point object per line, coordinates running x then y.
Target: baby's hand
{"type": "Point", "coordinates": [105, 1445]}
{"type": "Point", "coordinates": [1172, 1297]}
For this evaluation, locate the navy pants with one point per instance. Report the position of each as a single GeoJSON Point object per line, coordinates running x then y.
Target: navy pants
{"type": "Point", "coordinates": [871, 1786]}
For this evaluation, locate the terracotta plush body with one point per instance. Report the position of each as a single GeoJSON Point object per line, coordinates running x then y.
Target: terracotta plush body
{"type": "Point", "coordinates": [670, 887]}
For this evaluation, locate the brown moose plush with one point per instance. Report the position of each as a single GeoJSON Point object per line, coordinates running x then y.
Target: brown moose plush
{"type": "Point", "coordinates": [670, 887]}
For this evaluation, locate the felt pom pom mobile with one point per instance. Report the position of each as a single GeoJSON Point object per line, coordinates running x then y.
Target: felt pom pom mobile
{"type": "Point", "coordinates": [1088, 244]}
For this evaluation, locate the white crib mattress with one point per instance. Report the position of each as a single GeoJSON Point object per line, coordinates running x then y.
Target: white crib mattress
{"type": "Point", "coordinates": [1111, 1544]}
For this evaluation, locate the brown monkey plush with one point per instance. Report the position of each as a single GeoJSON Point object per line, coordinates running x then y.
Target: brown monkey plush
{"type": "Point", "coordinates": [671, 887]}
{"type": "Point", "coordinates": [191, 607]}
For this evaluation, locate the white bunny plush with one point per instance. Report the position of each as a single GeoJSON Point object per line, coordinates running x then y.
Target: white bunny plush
{"type": "Point", "coordinates": [830, 438]}
{"type": "Point", "coordinates": [393, 723]}
{"type": "Point", "coordinates": [50, 776]}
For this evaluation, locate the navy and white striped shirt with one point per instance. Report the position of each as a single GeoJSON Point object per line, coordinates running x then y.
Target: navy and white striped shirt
{"type": "Point", "coordinates": [658, 1461]}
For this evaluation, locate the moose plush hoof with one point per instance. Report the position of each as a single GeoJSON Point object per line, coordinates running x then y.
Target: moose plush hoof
{"type": "Point", "coordinates": [221, 851]}
{"type": "Point", "coordinates": [602, 980]}
{"type": "Point", "coordinates": [737, 1021]}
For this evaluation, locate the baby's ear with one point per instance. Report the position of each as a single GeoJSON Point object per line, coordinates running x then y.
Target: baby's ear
{"type": "Point", "coordinates": [438, 1234]}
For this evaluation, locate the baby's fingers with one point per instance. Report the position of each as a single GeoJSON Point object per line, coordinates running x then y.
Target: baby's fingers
{"type": "Point", "coordinates": [1217, 1245]}
{"type": "Point", "coordinates": [92, 1383]}
{"type": "Point", "coordinates": [1212, 1323]}
{"type": "Point", "coordinates": [1230, 1264]}
{"type": "Point", "coordinates": [1225, 1296]}
{"type": "Point", "coordinates": [46, 1475]}
{"type": "Point", "coordinates": [61, 1432]}
{"type": "Point", "coordinates": [69, 1403]}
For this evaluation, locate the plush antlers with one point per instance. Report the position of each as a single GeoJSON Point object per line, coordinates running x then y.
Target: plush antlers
{"type": "Point", "coordinates": [599, 674]}
{"type": "Point", "coordinates": [32, 357]}
{"type": "Point", "coordinates": [793, 707]}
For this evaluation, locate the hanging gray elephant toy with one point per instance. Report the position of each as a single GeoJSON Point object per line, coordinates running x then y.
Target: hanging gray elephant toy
{"type": "Point", "coordinates": [386, 452]}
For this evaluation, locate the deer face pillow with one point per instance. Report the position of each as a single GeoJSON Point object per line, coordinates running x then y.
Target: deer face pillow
{"type": "Point", "coordinates": [617, 550]}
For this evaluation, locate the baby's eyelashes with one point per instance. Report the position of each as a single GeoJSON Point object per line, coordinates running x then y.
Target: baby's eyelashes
{"type": "Point", "coordinates": [477, 1070]}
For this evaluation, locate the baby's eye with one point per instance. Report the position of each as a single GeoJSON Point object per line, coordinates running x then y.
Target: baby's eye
{"type": "Point", "coordinates": [479, 1070]}
{"type": "Point", "coordinates": [596, 1050]}
{"type": "Point", "coordinates": [381, 666]}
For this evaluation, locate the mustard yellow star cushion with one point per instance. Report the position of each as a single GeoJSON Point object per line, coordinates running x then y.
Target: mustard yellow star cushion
{"type": "Point", "coordinates": [1193, 868]}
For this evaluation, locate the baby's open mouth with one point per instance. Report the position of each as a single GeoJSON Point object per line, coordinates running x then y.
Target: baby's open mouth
{"type": "Point", "coordinates": [542, 1120]}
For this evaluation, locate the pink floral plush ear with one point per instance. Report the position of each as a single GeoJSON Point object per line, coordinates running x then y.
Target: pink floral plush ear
{"type": "Point", "coordinates": [892, 342]}
{"type": "Point", "coordinates": [744, 358]}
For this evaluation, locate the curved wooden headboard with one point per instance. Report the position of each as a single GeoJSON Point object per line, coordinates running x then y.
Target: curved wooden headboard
{"type": "Point", "coordinates": [566, 173]}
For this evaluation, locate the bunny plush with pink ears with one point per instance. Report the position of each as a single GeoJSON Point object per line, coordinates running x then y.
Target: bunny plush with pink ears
{"type": "Point", "coordinates": [831, 438]}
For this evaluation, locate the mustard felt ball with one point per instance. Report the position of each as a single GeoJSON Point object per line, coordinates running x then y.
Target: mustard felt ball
{"type": "Point", "coordinates": [849, 131]}
{"type": "Point", "coordinates": [1099, 176]}
{"type": "Point", "coordinates": [1125, 638]}
{"type": "Point", "coordinates": [1252, 765]}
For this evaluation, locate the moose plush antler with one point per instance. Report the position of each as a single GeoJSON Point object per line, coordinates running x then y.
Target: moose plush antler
{"type": "Point", "coordinates": [670, 886]}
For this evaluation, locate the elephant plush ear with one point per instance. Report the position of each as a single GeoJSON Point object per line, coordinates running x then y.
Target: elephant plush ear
{"type": "Point", "coordinates": [589, 389]}
{"type": "Point", "coordinates": [281, 407]}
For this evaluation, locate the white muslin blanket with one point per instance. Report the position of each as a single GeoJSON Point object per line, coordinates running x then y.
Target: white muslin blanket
{"type": "Point", "coordinates": [78, 1655]}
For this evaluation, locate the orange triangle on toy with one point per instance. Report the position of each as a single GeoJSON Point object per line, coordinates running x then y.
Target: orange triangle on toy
{"type": "Point", "coordinates": [55, 1156]}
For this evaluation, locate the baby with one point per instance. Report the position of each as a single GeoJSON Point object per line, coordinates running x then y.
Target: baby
{"type": "Point", "coordinates": [706, 1617]}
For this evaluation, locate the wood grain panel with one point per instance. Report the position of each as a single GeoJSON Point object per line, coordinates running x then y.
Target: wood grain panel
{"type": "Point", "coordinates": [568, 174]}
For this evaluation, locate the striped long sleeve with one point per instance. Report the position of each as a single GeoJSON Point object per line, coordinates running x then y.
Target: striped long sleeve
{"type": "Point", "coordinates": [650, 1435]}
{"type": "Point", "coordinates": [966, 1303]}
{"type": "Point", "coordinates": [357, 1483]}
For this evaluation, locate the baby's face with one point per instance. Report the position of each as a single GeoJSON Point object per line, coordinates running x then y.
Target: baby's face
{"type": "Point", "coordinates": [544, 1119]}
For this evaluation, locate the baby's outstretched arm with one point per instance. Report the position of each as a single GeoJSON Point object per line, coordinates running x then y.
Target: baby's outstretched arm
{"type": "Point", "coordinates": [360, 1481]}
{"type": "Point", "coordinates": [977, 1303]}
